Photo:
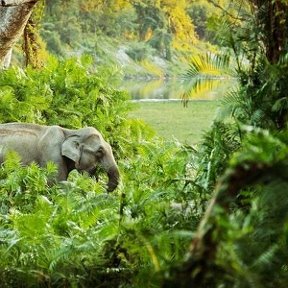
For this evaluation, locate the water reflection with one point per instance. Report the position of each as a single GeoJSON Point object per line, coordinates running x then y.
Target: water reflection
{"type": "Point", "coordinates": [178, 89]}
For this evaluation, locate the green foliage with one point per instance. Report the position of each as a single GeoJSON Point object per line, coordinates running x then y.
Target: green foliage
{"type": "Point", "coordinates": [66, 93]}
{"type": "Point", "coordinates": [214, 153]}
{"type": "Point", "coordinates": [162, 41]}
{"type": "Point", "coordinates": [199, 12]}
{"type": "Point", "coordinates": [150, 17]}
{"type": "Point", "coordinates": [255, 246]}
{"type": "Point", "coordinates": [261, 101]}
{"type": "Point", "coordinates": [261, 64]}
{"type": "Point", "coordinates": [246, 221]}
{"type": "Point", "coordinates": [82, 26]}
{"type": "Point", "coordinates": [73, 234]}
{"type": "Point", "coordinates": [52, 40]}
{"type": "Point", "coordinates": [47, 231]}
{"type": "Point", "coordinates": [241, 241]}
{"type": "Point", "coordinates": [138, 51]}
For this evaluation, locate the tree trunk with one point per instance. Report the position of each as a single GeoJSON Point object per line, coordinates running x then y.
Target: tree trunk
{"type": "Point", "coordinates": [13, 18]}
{"type": "Point", "coordinates": [272, 17]}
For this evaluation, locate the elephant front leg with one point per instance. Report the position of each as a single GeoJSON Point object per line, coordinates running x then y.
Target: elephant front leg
{"type": "Point", "coordinates": [61, 171]}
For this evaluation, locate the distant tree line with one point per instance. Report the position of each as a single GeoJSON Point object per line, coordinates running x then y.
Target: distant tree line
{"type": "Point", "coordinates": [164, 24]}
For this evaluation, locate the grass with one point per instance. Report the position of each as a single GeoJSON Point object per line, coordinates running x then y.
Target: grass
{"type": "Point", "coordinates": [172, 119]}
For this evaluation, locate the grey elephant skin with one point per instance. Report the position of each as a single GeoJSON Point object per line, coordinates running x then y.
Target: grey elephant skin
{"type": "Point", "coordinates": [83, 149]}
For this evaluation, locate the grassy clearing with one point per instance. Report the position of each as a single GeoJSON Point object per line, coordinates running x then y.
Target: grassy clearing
{"type": "Point", "coordinates": [172, 119]}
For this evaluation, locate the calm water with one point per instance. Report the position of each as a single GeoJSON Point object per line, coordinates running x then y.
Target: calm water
{"type": "Point", "coordinates": [177, 89]}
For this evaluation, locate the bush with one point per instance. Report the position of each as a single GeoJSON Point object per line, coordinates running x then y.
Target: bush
{"type": "Point", "coordinates": [73, 233]}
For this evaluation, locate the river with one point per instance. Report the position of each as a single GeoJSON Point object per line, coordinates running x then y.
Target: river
{"type": "Point", "coordinates": [177, 89]}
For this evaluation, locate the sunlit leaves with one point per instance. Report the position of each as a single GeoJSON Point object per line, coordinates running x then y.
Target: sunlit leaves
{"type": "Point", "coordinates": [207, 72]}
{"type": "Point", "coordinates": [209, 65]}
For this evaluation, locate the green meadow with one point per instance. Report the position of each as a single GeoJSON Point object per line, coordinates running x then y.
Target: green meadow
{"type": "Point", "coordinates": [174, 120]}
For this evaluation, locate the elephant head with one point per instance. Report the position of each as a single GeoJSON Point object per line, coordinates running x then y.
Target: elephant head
{"type": "Point", "coordinates": [88, 150]}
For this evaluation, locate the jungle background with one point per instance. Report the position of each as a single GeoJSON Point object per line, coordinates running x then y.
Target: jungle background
{"type": "Point", "coordinates": [209, 215]}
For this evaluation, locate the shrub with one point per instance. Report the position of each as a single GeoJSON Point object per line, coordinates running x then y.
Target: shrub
{"type": "Point", "coordinates": [73, 233]}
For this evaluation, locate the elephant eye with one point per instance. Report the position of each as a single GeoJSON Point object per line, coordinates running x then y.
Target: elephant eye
{"type": "Point", "coordinates": [100, 152]}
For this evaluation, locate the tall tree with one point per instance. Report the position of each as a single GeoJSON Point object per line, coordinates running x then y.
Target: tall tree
{"type": "Point", "coordinates": [14, 15]}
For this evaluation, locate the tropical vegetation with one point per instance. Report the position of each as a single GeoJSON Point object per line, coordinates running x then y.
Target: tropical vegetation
{"type": "Point", "coordinates": [209, 215]}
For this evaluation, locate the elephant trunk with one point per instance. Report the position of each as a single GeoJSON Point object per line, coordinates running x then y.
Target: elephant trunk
{"type": "Point", "coordinates": [113, 176]}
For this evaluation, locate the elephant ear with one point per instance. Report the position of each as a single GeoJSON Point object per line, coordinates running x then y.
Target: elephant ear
{"type": "Point", "coordinates": [71, 149]}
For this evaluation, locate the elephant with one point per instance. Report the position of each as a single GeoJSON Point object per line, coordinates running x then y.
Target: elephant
{"type": "Point", "coordinates": [83, 149]}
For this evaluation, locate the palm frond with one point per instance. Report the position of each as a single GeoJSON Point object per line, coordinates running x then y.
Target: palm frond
{"type": "Point", "coordinates": [209, 66]}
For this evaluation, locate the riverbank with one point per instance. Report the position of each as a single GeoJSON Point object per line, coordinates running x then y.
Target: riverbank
{"type": "Point", "coordinates": [172, 120]}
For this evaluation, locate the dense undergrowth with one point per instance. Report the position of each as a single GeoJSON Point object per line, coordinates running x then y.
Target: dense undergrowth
{"type": "Point", "coordinates": [74, 234]}
{"type": "Point", "coordinates": [147, 233]}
